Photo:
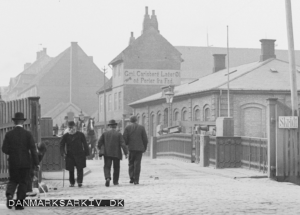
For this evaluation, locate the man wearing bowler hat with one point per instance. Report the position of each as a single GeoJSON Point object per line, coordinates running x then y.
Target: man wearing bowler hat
{"type": "Point", "coordinates": [19, 145]}
{"type": "Point", "coordinates": [136, 139]}
{"type": "Point", "coordinates": [110, 144]}
{"type": "Point", "coordinates": [74, 149]}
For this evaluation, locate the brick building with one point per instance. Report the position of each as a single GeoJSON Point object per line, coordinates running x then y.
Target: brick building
{"type": "Point", "coordinates": [65, 83]}
{"type": "Point", "coordinates": [148, 63]}
{"type": "Point", "coordinates": [206, 98]}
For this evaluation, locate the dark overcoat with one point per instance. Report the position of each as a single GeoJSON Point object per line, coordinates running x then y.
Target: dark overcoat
{"type": "Point", "coordinates": [75, 148]}
{"type": "Point", "coordinates": [112, 141]}
{"type": "Point", "coordinates": [19, 145]}
{"type": "Point", "coordinates": [135, 137]}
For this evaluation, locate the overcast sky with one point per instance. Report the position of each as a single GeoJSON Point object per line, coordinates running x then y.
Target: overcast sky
{"type": "Point", "coordinates": [102, 27]}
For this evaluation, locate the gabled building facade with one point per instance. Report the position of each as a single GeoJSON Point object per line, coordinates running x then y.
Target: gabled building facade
{"type": "Point", "coordinates": [66, 83]}
{"type": "Point", "coordinates": [148, 63]}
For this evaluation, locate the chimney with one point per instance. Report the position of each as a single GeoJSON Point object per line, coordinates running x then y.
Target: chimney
{"type": "Point", "coordinates": [154, 22]}
{"type": "Point", "coordinates": [38, 55]}
{"type": "Point", "coordinates": [146, 23]}
{"type": "Point", "coordinates": [267, 49]}
{"type": "Point", "coordinates": [131, 39]}
{"type": "Point", "coordinates": [219, 62]}
{"type": "Point", "coordinates": [26, 65]}
{"type": "Point", "coordinates": [45, 51]}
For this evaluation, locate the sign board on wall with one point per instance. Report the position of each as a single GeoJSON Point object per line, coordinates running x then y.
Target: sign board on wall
{"type": "Point", "coordinates": [151, 77]}
{"type": "Point", "coordinates": [288, 122]}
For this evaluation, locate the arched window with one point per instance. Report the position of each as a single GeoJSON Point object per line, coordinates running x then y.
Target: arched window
{"type": "Point", "coordinates": [144, 120]}
{"type": "Point", "coordinates": [184, 114]}
{"type": "Point", "coordinates": [197, 113]}
{"type": "Point", "coordinates": [206, 112]}
{"type": "Point", "coordinates": [176, 115]}
{"type": "Point", "coordinates": [159, 118]}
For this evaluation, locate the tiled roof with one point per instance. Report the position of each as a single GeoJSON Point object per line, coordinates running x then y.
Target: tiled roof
{"type": "Point", "coordinates": [107, 86]}
{"type": "Point", "coordinates": [253, 76]}
{"type": "Point", "coordinates": [60, 107]}
{"type": "Point", "coordinates": [149, 41]}
{"type": "Point", "coordinates": [46, 69]}
{"type": "Point", "coordinates": [198, 61]}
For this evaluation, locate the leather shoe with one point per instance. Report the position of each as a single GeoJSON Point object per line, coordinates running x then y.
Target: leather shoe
{"type": "Point", "coordinates": [19, 208]}
{"type": "Point", "coordinates": [131, 181]}
{"type": "Point", "coordinates": [80, 185]}
{"type": "Point", "coordinates": [31, 194]}
{"type": "Point", "coordinates": [116, 183]}
{"type": "Point", "coordinates": [107, 182]}
{"type": "Point", "coordinates": [71, 185]}
{"type": "Point", "coordinates": [8, 197]}
{"type": "Point", "coordinates": [135, 183]}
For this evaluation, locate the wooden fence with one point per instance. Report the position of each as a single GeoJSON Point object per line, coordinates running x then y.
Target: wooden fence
{"type": "Point", "coordinates": [254, 153]}
{"type": "Point", "coordinates": [31, 109]}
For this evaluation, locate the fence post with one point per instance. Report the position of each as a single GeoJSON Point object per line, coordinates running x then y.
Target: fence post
{"type": "Point", "coordinates": [204, 150]}
{"type": "Point", "coordinates": [153, 149]}
{"type": "Point", "coordinates": [271, 131]}
{"type": "Point", "coordinates": [35, 115]}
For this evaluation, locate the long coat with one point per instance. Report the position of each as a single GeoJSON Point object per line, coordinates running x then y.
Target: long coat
{"type": "Point", "coordinates": [75, 148]}
{"type": "Point", "coordinates": [135, 137]}
{"type": "Point", "coordinates": [17, 144]}
{"type": "Point", "coordinates": [112, 141]}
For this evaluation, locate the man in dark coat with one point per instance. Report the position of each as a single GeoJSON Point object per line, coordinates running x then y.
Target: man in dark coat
{"type": "Point", "coordinates": [19, 145]}
{"type": "Point", "coordinates": [74, 148]}
{"type": "Point", "coordinates": [136, 139]}
{"type": "Point", "coordinates": [110, 144]}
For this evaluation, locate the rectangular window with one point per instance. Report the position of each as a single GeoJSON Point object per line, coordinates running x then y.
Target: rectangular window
{"type": "Point", "coordinates": [115, 101]}
{"type": "Point", "coordinates": [109, 102]}
{"type": "Point", "coordinates": [120, 100]}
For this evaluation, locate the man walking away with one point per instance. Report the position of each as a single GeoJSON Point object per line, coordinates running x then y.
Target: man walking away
{"type": "Point", "coordinates": [136, 139]}
{"type": "Point", "coordinates": [74, 148]}
{"type": "Point", "coordinates": [17, 144]}
{"type": "Point", "coordinates": [109, 145]}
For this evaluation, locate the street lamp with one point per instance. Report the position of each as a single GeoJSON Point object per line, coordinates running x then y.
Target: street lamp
{"type": "Point", "coordinates": [169, 94]}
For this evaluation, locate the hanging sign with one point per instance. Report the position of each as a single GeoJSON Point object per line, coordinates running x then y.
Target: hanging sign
{"type": "Point", "coordinates": [288, 122]}
{"type": "Point", "coordinates": [151, 77]}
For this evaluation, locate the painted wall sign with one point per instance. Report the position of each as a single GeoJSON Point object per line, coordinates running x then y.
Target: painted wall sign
{"type": "Point", "coordinates": [151, 77]}
{"type": "Point", "coordinates": [288, 122]}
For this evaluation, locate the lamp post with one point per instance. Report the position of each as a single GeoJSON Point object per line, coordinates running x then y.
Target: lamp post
{"type": "Point", "coordinates": [169, 94]}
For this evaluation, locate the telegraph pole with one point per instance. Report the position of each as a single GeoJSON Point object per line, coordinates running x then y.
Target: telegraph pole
{"type": "Point", "coordinates": [293, 77]}
{"type": "Point", "coordinates": [228, 94]}
{"type": "Point", "coordinates": [104, 98]}
{"type": "Point", "coordinates": [294, 144]}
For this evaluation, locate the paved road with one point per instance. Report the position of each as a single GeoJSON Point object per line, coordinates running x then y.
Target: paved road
{"type": "Point", "coordinates": [174, 187]}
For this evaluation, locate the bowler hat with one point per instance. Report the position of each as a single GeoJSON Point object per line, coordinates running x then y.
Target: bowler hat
{"type": "Point", "coordinates": [19, 116]}
{"type": "Point", "coordinates": [71, 123]}
{"type": "Point", "coordinates": [112, 122]}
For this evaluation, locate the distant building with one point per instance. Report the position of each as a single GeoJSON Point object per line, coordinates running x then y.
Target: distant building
{"type": "Point", "coordinates": [66, 83]}
{"type": "Point", "coordinates": [205, 99]}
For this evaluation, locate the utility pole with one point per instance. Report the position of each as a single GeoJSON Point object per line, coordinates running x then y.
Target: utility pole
{"type": "Point", "coordinates": [104, 97]}
{"type": "Point", "coordinates": [293, 77]}
{"type": "Point", "coordinates": [228, 94]}
{"type": "Point", "coordinates": [294, 145]}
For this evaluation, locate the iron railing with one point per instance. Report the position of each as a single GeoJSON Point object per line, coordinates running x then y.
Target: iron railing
{"type": "Point", "coordinates": [175, 146]}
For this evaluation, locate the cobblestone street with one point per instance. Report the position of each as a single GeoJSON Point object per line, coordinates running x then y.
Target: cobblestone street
{"type": "Point", "coordinates": [175, 187]}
